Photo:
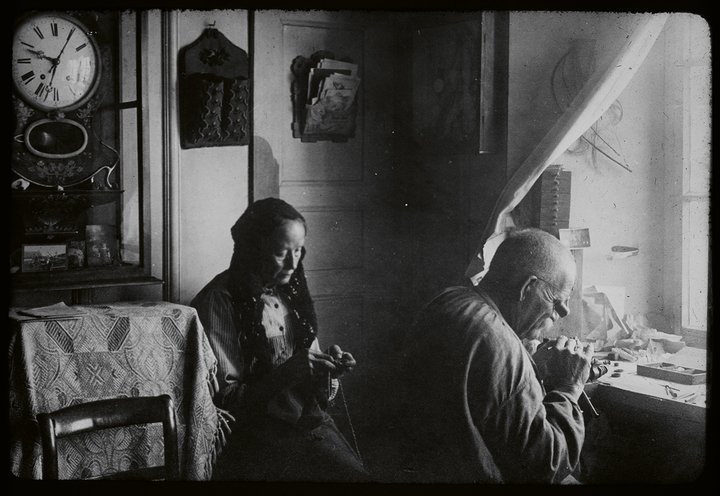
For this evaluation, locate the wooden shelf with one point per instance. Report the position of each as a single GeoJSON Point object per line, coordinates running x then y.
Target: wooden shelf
{"type": "Point", "coordinates": [75, 278]}
{"type": "Point", "coordinates": [84, 286]}
{"type": "Point", "coordinates": [107, 194]}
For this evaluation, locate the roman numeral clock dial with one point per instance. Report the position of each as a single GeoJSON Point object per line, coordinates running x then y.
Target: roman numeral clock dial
{"type": "Point", "coordinates": [55, 63]}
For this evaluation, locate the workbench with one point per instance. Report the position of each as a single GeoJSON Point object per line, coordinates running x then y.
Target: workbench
{"type": "Point", "coordinates": [648, 430]}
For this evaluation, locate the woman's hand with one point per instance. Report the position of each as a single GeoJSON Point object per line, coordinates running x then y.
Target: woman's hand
{"type": "Point", "coordinates": [307, 363]}
{"type": "Point", "coordinates": [343, 360]}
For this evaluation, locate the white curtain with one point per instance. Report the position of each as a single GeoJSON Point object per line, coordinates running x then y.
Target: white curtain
{"type": "Point", "coordinates": [596, 96]}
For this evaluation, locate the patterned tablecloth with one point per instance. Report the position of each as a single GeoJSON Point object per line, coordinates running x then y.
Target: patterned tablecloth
{"type": "Point", "coordinates": [124, 349]}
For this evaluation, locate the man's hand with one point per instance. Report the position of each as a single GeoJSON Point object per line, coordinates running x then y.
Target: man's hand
{"type": "Point", "coordinates": [344, 361]}
{"type": "Point", "coordinates": [564, 364]}
{"type": "Point", "coordinates": [531, 345]}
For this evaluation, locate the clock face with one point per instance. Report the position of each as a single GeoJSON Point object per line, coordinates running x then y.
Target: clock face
{"type": "Point", "coordinates": [55, 63]}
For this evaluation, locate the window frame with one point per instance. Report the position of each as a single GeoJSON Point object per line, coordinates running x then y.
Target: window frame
{"type": "Point", "coordinates": [687, 151]}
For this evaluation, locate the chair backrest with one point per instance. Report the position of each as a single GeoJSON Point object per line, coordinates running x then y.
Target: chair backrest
{"type": "Point", "coordinates": [104, 414]}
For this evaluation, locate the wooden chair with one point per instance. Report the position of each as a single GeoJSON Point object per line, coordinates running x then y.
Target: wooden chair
{"type": "Point", "coordinates": [104, 414]}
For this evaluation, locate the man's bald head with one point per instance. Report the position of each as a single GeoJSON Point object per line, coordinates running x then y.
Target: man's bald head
{"type": "Point", "coordinates": [531, 252]}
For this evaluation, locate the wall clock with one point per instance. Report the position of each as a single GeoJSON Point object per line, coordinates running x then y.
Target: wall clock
{"type": "Point", "coordinates": [55, 62]}
{"type": "Point", "coordinates": [59, 81]}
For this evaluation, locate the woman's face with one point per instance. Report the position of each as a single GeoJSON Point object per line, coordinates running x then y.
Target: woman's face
{"type": "Point", "coordinates": [283, 252]}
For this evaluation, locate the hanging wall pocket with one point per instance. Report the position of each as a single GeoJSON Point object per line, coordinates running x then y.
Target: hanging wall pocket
{"type": "Point", "coordinates": [214, 92]}
{"type": "Point", "coordinates": [324, 95]}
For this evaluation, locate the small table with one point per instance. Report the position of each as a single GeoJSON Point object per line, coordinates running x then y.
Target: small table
{"type": "Point", "coordinates": [110, 351]}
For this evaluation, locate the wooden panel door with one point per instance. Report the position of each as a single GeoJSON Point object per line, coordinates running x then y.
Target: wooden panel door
{"type": "Point", "coordinates": [352, 264]}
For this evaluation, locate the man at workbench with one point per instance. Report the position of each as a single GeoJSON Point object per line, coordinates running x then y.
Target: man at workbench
{"type": "Point", "coordinates": [479, 407]}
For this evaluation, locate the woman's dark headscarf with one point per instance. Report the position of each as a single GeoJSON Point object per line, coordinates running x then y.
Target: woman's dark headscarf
{"type": "Point", "coordinates": [251, 234]}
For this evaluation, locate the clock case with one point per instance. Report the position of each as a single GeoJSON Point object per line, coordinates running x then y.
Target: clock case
{"type": "Point", "coordinates": [62, 149]}
{"type": "Point", "coordinates": [54, 198]}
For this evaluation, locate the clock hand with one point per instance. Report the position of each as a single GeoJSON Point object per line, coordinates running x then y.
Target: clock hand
{"type": "Point", "coordinates": [57, 59]}
{"type": "Point", "coordinates": [52, 71]}
{"type": "Point", "coordinates": [41, 54]}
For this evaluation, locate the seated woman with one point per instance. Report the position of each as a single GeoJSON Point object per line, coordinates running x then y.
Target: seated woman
{"type": "Point", "coordinates": [274, 379]}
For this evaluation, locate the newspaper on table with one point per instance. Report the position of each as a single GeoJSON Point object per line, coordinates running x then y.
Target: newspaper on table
{"type": "Point", "coordinates": [56, 311]}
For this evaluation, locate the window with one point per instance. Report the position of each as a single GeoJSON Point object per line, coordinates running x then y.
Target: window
{"type": "Point", "coordinates": [688, 162]}
{"type": "Point", "coordinates": [696, 191]}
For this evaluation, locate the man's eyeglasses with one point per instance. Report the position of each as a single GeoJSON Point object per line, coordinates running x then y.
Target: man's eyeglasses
{"type": "Point", "coordinates": [560, 306]}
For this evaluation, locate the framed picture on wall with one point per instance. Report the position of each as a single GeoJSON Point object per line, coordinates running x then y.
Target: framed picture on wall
{"type": "Point", "coordinates": [101, 245]}
{"type": "Point", "coordinates": [44, 257]}
{"type": "Point", "coordinates": [76, 254]}
{"type": "Point", "coordinates": [452, 84]}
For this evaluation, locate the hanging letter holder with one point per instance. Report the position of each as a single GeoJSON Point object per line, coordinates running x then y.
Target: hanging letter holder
{"type": "Point", "coordinates": [214, 92]}
{"type": "Point", "coordinates": [324, 95]}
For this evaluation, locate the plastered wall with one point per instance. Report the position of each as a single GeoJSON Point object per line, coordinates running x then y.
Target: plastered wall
{"type": "Point", "coordinates": [619, 207]}
{"type": "Point", "coordinates": [212, 182]}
